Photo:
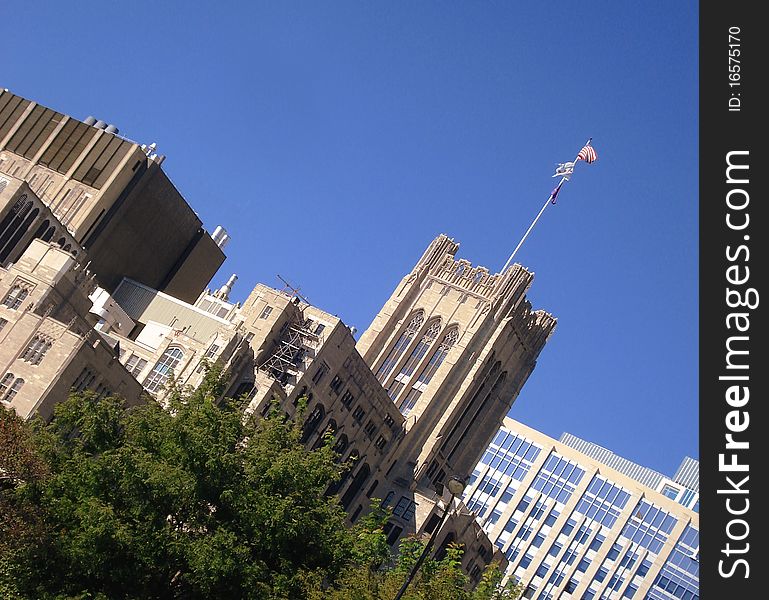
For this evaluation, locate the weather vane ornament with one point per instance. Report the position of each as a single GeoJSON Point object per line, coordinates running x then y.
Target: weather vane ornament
{"type": "Point", "coordinates": [564, 171]}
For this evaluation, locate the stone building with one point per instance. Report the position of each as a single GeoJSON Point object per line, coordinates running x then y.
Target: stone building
{"type": "Point", "coordinates": [48, 345]}
{"type": "Point", "coordinates": [452, 347]}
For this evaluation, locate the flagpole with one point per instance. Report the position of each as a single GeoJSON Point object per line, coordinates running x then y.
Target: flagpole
{"type": "Point", "coordinates": [542, 210]}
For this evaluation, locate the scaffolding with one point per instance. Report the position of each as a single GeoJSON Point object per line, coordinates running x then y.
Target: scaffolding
{"type": "Point", "coordinates": [296, 343]}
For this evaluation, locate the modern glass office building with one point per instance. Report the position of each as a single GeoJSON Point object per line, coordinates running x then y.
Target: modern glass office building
{"type": "Point", "coordinates": [579, 522]}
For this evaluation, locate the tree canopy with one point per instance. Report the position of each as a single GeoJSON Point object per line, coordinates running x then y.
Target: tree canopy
{"type": "Point", "coordinates": [189, 501]}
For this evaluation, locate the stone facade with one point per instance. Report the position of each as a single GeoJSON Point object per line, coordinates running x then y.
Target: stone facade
{"type": "Point", "coordinates": [48, 346]}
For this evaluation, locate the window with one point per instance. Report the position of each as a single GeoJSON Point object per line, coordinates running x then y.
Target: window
{"type": "Point", "coordinates": [15, 297]}
{"type": "Point", "coordinates": [3, 323]}
{"type": "Point", "coordinates": [380, 443]}
{"type": "Point", "coordinates": [36, 350]}
{"type": "Point", "coordinates": [135, 365]}
{"type": "Point", "coordinates": [266, 312]}
{"type": "Point", "coordinates": [370, 428]}
{"type": "Point", "coordinates": [670, 492]}
{"type": "Point", "coordinates": [358, 414]}
{"type": "Point", "coordinates": [210, 353]}
{"type": "Point", "coordinates": [613, 552]}
{"type": "Point", "coordinates": [426, 375]}
{"type": "Point", "coordinates": [400, 346]}
{"type": "Point", "coordinates": [322, 370]}
{"type": "Point", "coordinates": [7, 389]}
{"type": "Point", "coordinates": [163, 369]}
{"type": "Point", "coordinates": [5, 384]}
{"type": "Point", "coordinates": [388, 420]}
{"type": "Point", "coordinates": [84, 380]}
{"type": "Point", "coordinates": [319, 329]}
{"type": "Point", "coordinates": [405, 508]}
{"type": "Point", "coordinates": [336, 383]}
{"type": "Point", "coordinates": [347, 399]}
{"type": "Point", "coordinates": [416, 356]}
{"type": "Point", "coordinates": [393, 533]}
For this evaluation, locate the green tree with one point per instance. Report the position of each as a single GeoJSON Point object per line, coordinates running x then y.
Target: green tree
{"type": "Point", "coordinates": [192, 501]}
{"type": "Point", "coordinates": [436, 579]}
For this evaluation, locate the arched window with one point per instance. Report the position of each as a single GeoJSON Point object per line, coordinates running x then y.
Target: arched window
{"type": "Point", "coordinates": [8, 389]}
{"type": "Point", "coordinates": [340, 446]}
{"type": "Point", "coordinates": [15, 297]}
{"type": "Point", "coordinates": [444, 545]}
{"type": "Point", "coordinates": [42, 229]}
{"type": "Point", "coordinates": [400, 346]}
{"type": "Point", "coordinates": [355, 486]}
{"type": "Point", "coordinates": [14, 217]}
{"type": "Point", "coordinates": [436, 360]}
{"type": "Point", "coordinates": [49, 234]}
{"type": "Point", "coordinates": [329, 429]}
{"type": "Point", "coordinates": [18, 229]}
{"type": "Point", "coordinates": [352, 460]}
{"type": "Point", "coordinates": [416, 356]}
{"type": "Point", "coordinates": [163, 369]}
{"type": "Point", "coordinates": [5, 384]}
{"type": "Point", "coordinates": [36, 350]}
{"type": "Point", "coordinates": [312, 422]}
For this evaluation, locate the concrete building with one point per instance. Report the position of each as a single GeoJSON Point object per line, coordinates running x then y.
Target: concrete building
{"type": "Point", "coordinates": [48, 346]}
{"type": "Point", "coordinates": [111, 196]}
{"type": "Point", "coordinates": [576, 521]}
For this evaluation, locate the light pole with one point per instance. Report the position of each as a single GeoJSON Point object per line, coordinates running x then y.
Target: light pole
{"type": "Point", "coordinates": [456, 487]}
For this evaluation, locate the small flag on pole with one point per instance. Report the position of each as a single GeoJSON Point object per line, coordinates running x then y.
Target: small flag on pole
{"type": "Point", "coordinates": [554, 193]}
{"type": "Point", "coordinates": [564, 170]}
{"type": "Point", "coordinates": [587, 154]}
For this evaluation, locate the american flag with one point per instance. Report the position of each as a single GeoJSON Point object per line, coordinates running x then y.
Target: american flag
{"type": "Point", "coordinates": [587, 154]}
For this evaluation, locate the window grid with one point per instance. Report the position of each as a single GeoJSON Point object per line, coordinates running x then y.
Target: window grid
{"type": "Point", "coordinates": [10, 386]}
{"type": "Point", "coordinates": [15, 297]}
{"type": "Point", "coordinates": [163, 369]}
{"type": "Point", "coordinates": [36, 350]}
{"type": "Point", "coordinates": [429, 370]}
{"type": "Point", "coordinates": [602, 501]}
{"type": "Point", "coordinates": [400, 346]}
{"type": "Point", "coordinates": [680, 575]}
{"type": "Point", "coordinates": [649, 526]}
{"type": "Point", "coordinates": [558, 478]}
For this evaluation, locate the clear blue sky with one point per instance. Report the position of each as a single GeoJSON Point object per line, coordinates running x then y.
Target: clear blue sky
{"type": "Point", "coordinates": [334, 140]}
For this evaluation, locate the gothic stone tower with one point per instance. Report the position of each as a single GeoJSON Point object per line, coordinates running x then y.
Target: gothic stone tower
{"type": "Point", "coordinates": [453, 346]}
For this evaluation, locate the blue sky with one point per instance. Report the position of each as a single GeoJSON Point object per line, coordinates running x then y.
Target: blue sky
{"type": "Point", "coordinates": [335, 140]}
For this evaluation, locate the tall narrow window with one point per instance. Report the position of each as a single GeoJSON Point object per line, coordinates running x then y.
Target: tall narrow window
{"type": "Point", "coordinates": [5, 384]}
{"type": "Point", "coordinates": [15, 297]}
{"type": "Point", "coordinates": [9, 390]}
{"type": "Point", "coordinates": [84, 380]}
{"type": "Point", "coordinates": [400, 346]}
{"type": "Point", "coordinates": [36, 350]}
{"type": "Point", "coordinates": [436, 360]}
{"type": "Point", "coordinates": [416, 356]}
{"type": "Point", "coordinates": [163, 369]}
